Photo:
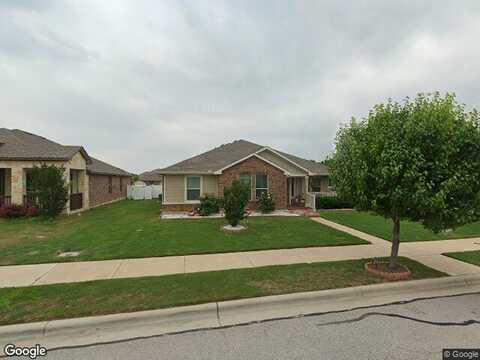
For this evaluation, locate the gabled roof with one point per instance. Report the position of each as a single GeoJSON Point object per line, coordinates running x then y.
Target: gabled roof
{"type": "Point", "coordinates": [150, 176]}
{"type": "Point", "coordinates": [21, 145]}
{"type": "Point", "coordinates": [224, 156]}
{"type": "Point", "coordinates": [102, 168]}
{"type": "Point", "coordinates": [215, 159]}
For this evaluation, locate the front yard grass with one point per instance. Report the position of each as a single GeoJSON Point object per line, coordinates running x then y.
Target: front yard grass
{"type": "Point", "coordinates": [48, 302]}
{"type": "Point", "coordinates": [133, 229]}
{"type": "Point", "coordinates": [471, 257]}
{"type": "Point", "coordinates": [381, 227]}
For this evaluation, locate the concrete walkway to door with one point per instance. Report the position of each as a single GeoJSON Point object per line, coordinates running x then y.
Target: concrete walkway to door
{"type": "Point", "coordinates": [426, 252]}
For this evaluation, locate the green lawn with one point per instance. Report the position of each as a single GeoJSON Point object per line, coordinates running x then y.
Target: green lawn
{"type": "Point", "coordinates": [381, 227]}
{"type": "Point", "coordinates": [49, 302]}
{"type": "Point", "coordinates": [132, 229]}
{"type": "Point", "coordinates": [472, 257]}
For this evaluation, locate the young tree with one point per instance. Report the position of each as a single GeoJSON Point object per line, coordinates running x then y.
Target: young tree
{"type": "Point", "coordinates": [416, 160]}
{"type": "Point", "coordinates": [49, 189]}
{"type": "Point", "coordinates": [235, 198]}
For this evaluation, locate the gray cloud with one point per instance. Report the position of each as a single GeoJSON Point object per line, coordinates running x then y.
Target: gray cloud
{"type": "Point", "coordinates": [144, 84]}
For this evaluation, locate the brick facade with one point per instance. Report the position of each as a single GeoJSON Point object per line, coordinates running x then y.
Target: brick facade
{"type": "Point", "coordinates": [277, 181]}
{"type": "Point", "coordinates": [99, 192]}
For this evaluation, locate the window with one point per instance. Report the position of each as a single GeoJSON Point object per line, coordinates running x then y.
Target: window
{"type": "Point", "coordinates": [316, 184]}
{"type": "Point", "coordinates": [2, 182]}
{"type": "Point", "coordinates": [246, 179]}
{"type": "Point", "coordinates": [331, 184]}
{"type": "Point", "coordinates": [74, 182]}
{"type": "Point", "coordinates": [261, 185]}
{"type": "Point", "coordinates": [121, 184]}
{"type": "Point", "coordinates": [29, 180]}
{"type": "Point", "coordinates": [110, 185]}
{"type": "Point", "coordinates": [193, 188]}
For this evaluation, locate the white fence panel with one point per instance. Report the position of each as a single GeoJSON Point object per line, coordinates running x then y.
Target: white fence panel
{"type": "Point", "coordinates": [143, 192]}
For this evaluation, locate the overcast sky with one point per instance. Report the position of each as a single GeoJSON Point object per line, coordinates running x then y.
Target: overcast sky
{"type": "Point", "coordinates": [144, 84]}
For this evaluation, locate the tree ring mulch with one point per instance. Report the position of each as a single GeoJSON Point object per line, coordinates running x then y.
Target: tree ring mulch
{"type": "Point", "coordinates": [234, 229]}
{"type": "Point", "coordinates": [401, 272]}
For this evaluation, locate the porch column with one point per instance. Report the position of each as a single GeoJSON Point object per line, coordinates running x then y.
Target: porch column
{"type": "Point", "coordinates": [16, 183]}
{"type": "Point", "coordinates": [84, 183]}
{"type": "Point", "coordinates": [66, 177]}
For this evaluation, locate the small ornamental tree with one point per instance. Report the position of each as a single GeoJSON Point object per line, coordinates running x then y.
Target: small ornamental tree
{"type": "Point", "coordinates": [235, 198]}
{"type": "Point", "coordinates": [49, 189]}
{"type": "Point", "coordinates": [418, 160]}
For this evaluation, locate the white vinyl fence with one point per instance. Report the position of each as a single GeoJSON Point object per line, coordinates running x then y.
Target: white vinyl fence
{"type": "Point", "coordinates": [144, 192]}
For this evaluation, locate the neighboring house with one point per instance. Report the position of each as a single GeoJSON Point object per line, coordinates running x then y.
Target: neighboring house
{"type": "Point", "coordinates": [150, 178]}
{"type": "Point", "coordinates": [91, 182]}
{"type": "Point", "coordinates": [293, 181]}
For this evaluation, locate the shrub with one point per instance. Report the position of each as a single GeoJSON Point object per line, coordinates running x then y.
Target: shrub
{"type": "Point", "coordinates": [266, 203]}
{"type": "Point", "coordinates": [208, 205]}
{"type": "Point", "coordinates": [17, 211]}
{"type": "Point", "coordinates": [235, 199]}
{"type": "Point", "coordinates": [332, 202]}
{"type": "Point", "coordinates": [49, 189]}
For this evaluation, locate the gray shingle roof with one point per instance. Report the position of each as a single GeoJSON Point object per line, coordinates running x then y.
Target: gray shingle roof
{"type": "Point", "coordinates": [311, 165]}
{"type": "Point", "coordinates": [21, 145]}
{"type": "Point", "coordinates": [102, 168]}
{"type": "Point", "coordinates": [150, 176]}
{"type": "Point", "coordinates": [224, 155]}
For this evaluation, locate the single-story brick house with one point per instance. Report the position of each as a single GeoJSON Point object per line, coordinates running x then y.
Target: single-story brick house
{"type": "Point", "coordinates": [91, 182]}
{"type": "Point", "coordinates": [293, 181]}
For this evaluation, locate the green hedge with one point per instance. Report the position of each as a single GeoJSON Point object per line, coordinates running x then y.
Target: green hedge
{"type": "Point", "coordinates": [332, 202]}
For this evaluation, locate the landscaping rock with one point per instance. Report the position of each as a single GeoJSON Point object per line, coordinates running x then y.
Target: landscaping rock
{"type": "Point", "coordinates": [69, 254]}
{"type": "Point", "coordinates": [231, 228]}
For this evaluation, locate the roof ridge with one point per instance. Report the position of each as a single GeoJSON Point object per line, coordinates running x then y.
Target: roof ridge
{"type": "Point", "coordinates": [38, 136]}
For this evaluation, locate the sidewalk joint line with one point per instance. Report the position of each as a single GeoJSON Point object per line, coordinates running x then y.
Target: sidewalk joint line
{"type": "Point", "coordinates": [117, 268]}
{"type": "Point", "coordinates": [44, 274]}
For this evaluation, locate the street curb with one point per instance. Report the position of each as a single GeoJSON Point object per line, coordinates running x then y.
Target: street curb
{"type": "Point", "coordinates": [118, 327]}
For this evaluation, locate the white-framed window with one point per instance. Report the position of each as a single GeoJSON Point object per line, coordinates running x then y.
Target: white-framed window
{"type": "Point", "coordinates": [246, 178]}
{"type": "Point", "coordinates": [261, 184]}
{"type": "Point", "coordinates": [193, 186]}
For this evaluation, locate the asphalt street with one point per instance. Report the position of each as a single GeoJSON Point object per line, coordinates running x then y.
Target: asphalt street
{"type": "Point", "coordinates": [415, 330]}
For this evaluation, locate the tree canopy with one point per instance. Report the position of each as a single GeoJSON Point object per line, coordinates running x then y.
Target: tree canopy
{"type": "Point", "coordinates": [49, 189]}
{"type": "Point", "coordinates": [418, 160]}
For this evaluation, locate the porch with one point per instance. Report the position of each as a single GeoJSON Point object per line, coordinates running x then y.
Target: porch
{"type": "Point", "coordinates": [16, 188]}
{"type": "Point", "coordinates": [303, 190]}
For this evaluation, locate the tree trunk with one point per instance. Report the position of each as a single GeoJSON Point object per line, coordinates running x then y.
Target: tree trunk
{"type": "Point", "coordinates": [395, 243]}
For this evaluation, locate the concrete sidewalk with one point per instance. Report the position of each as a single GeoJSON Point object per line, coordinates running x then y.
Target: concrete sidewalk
{"type": "Point", "coordinates": [41, 274]}
{"type": "Point", "coordinates": [426, 252]}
